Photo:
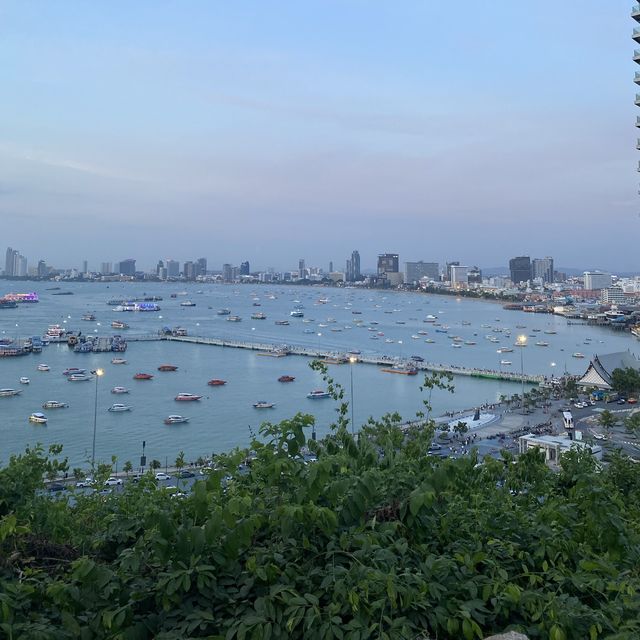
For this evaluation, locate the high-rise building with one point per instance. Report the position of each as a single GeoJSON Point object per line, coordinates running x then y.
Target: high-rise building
{"type": "Point", "coordinates": [85, 266]}
{"type": "Point", "coordinates": [448, 268]}
{"type": "Point", "coordinates": [330, 266]}
{"type": "Point", "coordinates": [520, 269]}
{"type": "Point", "coordinates": [353, 267]}
{"type": "Point", "coordinates": [474, 275]}
{"type": "Point", "coordinates": [244, 268]}
{"type": "Point", "coordinates": [106, 268]}
{"type": "Point", "coordinates": [173, 268]}
{"type": "Point", "coordinates": [227, 272]}
{"type": "Point", "coordinates": [43, 270]}
{"type": "Point", "coordinates": [11, 260]}
{"type": "Point", "coordinates": [596, 280]}
{"type": "Point", "coordinates": [542, 268]}
{"type": "Point", "coordinates": [127, 267]}
{"type": "Point", "coordinates": [459, 275]}
{"type": "Point", "coordinates": [201, 267]}
{"type": "Point", "coordinates": [159, 267]}
{"type": "Point", "coordinates": [302, 271]}
{"type": "Point", "coordinates": [188, 270]}
{"type": "Point", "coordinates": [388, 263]}
{"type": "Point", "coordinates": [415, 271]}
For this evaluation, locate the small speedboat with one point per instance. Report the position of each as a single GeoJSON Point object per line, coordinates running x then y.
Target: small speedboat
{"type": "Point", "coordinates": [72, 370]}
{"type": "Point", "coordinates": [54, 404]}
{"type": "Point", "coordinates": [317, 394]}
{"type": "Point", "coordinates": [175, 419]}
{"type": "Point", "coordinates": [167, 367]}
{"type": "Point", "coordinates": [505, 362]}
{"type": "Point", "coordinates": [286, 379]}
{"type": "Point", "coordinates": [216, 382]}
{"type": "Point", "coordinates": [38, 418]}
{"type": "Point", "coordinates": [578, 355]}
{"type": "Point", "coordinates": [143, 376]}
{"type": "Point", "coordinates": [24, 380]}
{"type": "Point", "coordinates": [119, 390]}
{"type": "Point", "coordinates": [43, 367]}
{"type": "Point", "coordinates": [78, 377]}
{"type": "Point", "coordinates": [5, 393]}
{"type": "Point", "coordinates": [118, 361]}
{"type": "Point", "coordinates": [262, 404]}
{"type": "Point", "coordinates": [116, 408]}
{"type": "Point", "coordinates": [187, 397]}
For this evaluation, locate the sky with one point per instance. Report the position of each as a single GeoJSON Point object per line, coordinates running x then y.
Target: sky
{"type": "Point", "coordinates": [271, 131]}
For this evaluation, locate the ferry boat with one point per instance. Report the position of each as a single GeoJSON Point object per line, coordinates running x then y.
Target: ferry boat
{"type": "Point", "coordinates": [118, 361]}
{"type": "Point", "coordinates": [5, 393]}
{"type": "Point", "coordinates": [43, 367]}
{"type": "Point", "coordinates": [117, 408]}
{"type": "Point", "coordinates": [258, 316]}
{"type": "Point", "coordinates": [216, 382]}
{"type": "Point", "coordinates": [262, 404]}
{"type": "Point", "coordinates": [224, 312]}
{"type": "Point", "coordinates": [54, 404]}
{"type": "Point", "coordinates": [143, 376]}
{"type": "Point", "coordinates": [187, 397]}
{"type": "Point", "coordinates": [24, 380]}
{"type": "Point", "coordinates": [402, 369]}
{"type": "Point", "coordinates": [38, 418]}
{"type": "Point", "coordinates": [119, 390]}
{"type": "Point", "coordinates": [167, 367]}
{"type": "Point", "coordinates": [118, 324]}
{"type": "Point", "coordinates": [90, 317]}
{"type": "Point", "coordinates": [175, 419]}
{"type": "Point", "coordinates": [318, 394]}
{"type": "Point", "coordinates": [286, 379]}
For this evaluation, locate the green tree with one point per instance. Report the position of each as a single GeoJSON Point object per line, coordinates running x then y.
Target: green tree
{"type": "Point", "coordinates": [127, 467]}
{"type": "Point", "coordinates": [155, 464]}
{"type": "Point", "coordinates": [625, 381]}
{"type": "Point", "coordinates": [632, 423]}
{"type": "Point", "coordinates": [180, 460]}
{"type": "Point", "coordinates": [606, 419]}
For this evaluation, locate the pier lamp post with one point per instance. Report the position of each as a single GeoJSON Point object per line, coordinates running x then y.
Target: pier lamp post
{"type": "Point", "coordinates": [352, 361]}
{"type": "Point", "coordinates": [522, 343]}
{"type": "Point", "coordinates": [98, 373]}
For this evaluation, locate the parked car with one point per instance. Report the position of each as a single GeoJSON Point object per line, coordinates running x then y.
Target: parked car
{"type": "Point", "coordinates": [111, 482]}
{"type": "Point", "coordinates": [161, 476]}
{"type": "Point", "coordinates": [86, 483]}
{"type": "Point", "coordinates": [185, 473]}
{"type": "Point", "coordinates": [56, 486]}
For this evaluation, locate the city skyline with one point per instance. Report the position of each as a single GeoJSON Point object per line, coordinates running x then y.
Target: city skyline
{"type": "Point", "coordinates": [236, 130]}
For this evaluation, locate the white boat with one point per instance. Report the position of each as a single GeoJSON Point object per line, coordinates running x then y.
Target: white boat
{"type": "Point", "coordinates": [187, 397]}
{"type": "Point", "coordinates": [5, 393]}
{"type": "Point", "coordinates": [43, 367]}
{"type": "Point", "coordinates": [115, 408]}
{"type": "Point", "coordinates": [54, 404]}
{"type": "Point", "coordinates": [119, 390]}
{"type": "Point", "coordinates": [118, 361]}
{"type": "Point", "coordinates": [296, 313]}
{"type": "Point", "coordinates": [318, 394]}
{"type": "Point", "coordinates": [24, 380]}
{"type": "Point", "coordinates": [187, 303]}
{"type": "Point", "coordinates": [505, 362]}
{"type": "Point", "coordinates": [175, 419]}
{"type": "Point", "coordinates": [38, 418]}
{"type": "Point", "coordinates": [79, 377]}
{"type": "Point", "coordinates": [578, 355]}
{"type": "Point", "coordinates": [262, 404]}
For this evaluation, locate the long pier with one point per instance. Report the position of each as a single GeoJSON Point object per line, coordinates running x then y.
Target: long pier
{"type": "Point", "coordinates": [332, 357]}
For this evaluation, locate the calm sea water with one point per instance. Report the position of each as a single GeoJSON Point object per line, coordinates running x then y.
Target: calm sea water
{"type": "Point", "coordinates": [224, 417]}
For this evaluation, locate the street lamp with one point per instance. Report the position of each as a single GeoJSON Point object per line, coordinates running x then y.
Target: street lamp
{"type": "Point", "coordinates": [98, 373]}
{"type": "Point", "coordinates": [522, 343]}
{"type": "Point", "coordinates": [352, 361]}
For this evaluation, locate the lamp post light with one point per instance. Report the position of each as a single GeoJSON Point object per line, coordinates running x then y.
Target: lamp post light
{"type": "Point", "coordinates": [98, 373]}
{"type": "Point", "coordinates": [352, 361]}
{"type": "Point", "coordinates": [522, 343]}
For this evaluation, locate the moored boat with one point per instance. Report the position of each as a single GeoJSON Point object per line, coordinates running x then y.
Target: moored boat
{"type": "Point", "coordinates": [38, 418]}
{"type": "Point", "coordinates": [175, 419]}
{"type": "Point", "coordinates": [402, 369]}
{"type": "Point", "coordinates": [578, 355]}
{"type": "Point", "coordinates": [117, 408]}
{"type": "Point", "coordinates": [167, 367]}
{"type": "Point", "coordinates": [216, 382]}
{"type": "Point", "coordinates": [505, 362]}
{"type": "Point", "coordinates": [187, 397]}
{"type": "Point", "coordinates": [118, 324]}
{"type": "Point", "coordinates": [24, 380]}
{"type": "Point", "coordinates": [318, 394]}
{"type": "Point", "coordinates": [72, 370]}
{"type": "Point", "coordinates": [6, 393]}
{"type": "Point", "coordinates": [258, 316]}
{"type": "Point", "coordinates": [118, 361]}
{"type": "Point", "coordinates": [43, 367]}
{"type": "Point", "coordinates": [263, 404]}
{"type": "Point", "coordinates": [286, 379]}
{"type": "Point", "coordinates": [143, 376]}
{"type": "Point", "coordinates": [119, 390]}
{"type": "Point", "coordinates": [78, 377]}
{"type": "Point", "coordinates": [54, 404]}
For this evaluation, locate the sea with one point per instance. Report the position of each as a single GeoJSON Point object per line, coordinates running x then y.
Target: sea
{"type": "Point", "coordinates": [335, 319]}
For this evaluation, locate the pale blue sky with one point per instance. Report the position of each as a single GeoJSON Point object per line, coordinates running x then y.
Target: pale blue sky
{"type": "Point", "coordinates": [270, 131]}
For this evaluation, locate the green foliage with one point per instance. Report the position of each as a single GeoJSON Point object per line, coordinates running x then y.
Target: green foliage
{"type": "Point", "coordinates": [374, 539]}
{"type": "Point", "coordinates": [626, 380]}
{"type": "Point", "coordinates": [606, 419]}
